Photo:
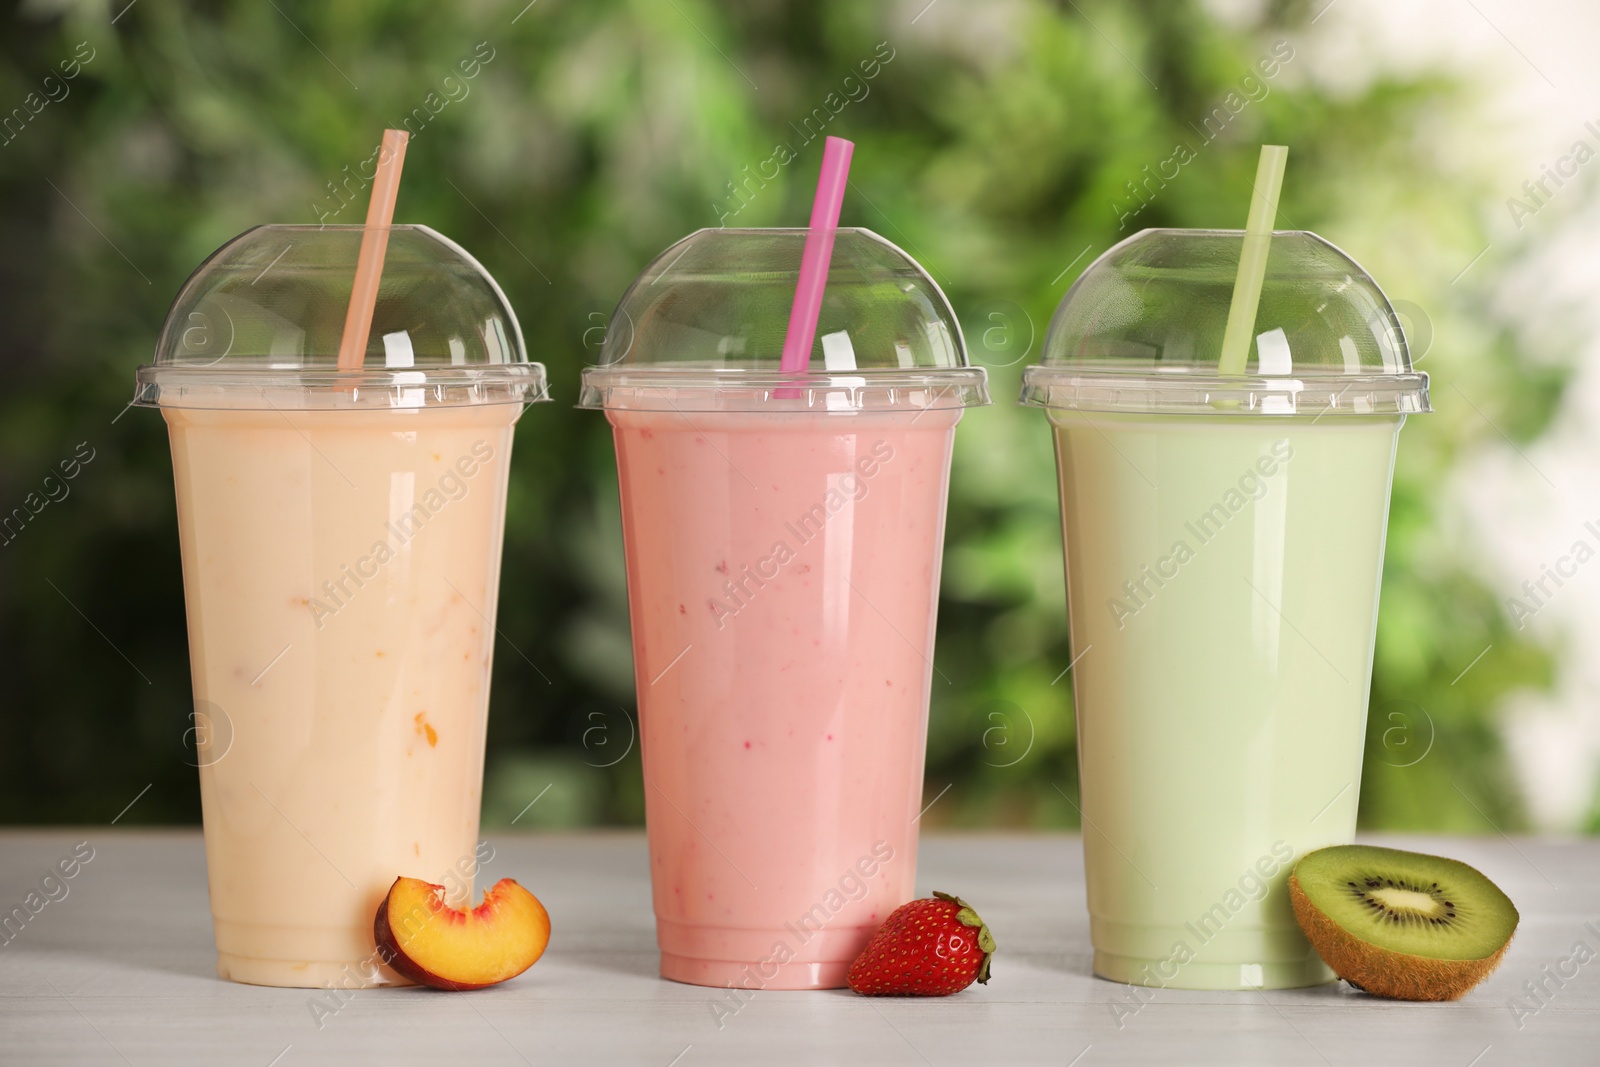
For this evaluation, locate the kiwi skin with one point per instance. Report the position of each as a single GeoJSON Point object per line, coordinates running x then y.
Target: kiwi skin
{"type": "Point", "coordinates": [1380, 971]}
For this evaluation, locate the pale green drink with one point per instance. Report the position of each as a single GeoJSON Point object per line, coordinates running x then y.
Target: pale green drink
{"type": "Point", "coordinates": [1224, 547]}
{"type": "Point", "coordinates": [1222, 579]}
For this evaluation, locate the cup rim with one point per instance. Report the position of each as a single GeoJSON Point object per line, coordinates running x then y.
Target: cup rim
{"type": "Point", "coordinates": [707, 387]}
{"type": "Point", "coordinates": [330, 389]}
{"type": "Point", "coordinates": [1181, 391]}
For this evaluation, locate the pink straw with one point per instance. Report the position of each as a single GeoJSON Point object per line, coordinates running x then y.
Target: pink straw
{"type": "Point", "coordinates": [836, 152]}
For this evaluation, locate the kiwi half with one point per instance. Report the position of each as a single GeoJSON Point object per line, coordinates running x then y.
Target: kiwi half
{"type": "Point", "coordinates": [1401, 924]}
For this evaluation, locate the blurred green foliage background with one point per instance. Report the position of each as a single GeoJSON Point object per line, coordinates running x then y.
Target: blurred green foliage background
{"type": "Point", "coordinates": [996, 143]}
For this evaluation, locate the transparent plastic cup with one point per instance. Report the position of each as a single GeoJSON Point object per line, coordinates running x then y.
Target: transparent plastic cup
{"type": "Point", "coordinates": [783, 535]}
{"type": "Point", "coordinates": [341, 536]}
{"type": "Point", "coordinates": [1224, 548]}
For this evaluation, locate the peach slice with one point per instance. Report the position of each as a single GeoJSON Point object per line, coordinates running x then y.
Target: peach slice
{"type": "Point", "coordinates": [428, 941]}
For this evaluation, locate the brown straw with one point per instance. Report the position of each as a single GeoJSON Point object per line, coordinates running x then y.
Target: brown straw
{"type": "Point", "coordinates": [374, 243]}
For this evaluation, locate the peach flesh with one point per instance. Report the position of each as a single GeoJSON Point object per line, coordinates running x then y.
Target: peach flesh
{"type": "Point", "coordinates": [469, 949]}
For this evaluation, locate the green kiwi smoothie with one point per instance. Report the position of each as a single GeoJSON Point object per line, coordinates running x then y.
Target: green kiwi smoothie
{"type": "Point", "coordinates": [1222, 577]}
{"type": "Point", "coordinates": [1224, 524]}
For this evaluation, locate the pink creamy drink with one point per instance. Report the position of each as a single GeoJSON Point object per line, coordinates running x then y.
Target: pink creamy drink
{"type": "Point", "coordinates": [784, 532]}
{"type": "Point", "coordinates": [783, 573]}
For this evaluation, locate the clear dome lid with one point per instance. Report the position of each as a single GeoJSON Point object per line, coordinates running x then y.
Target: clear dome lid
{"type": "Point", "coordinates": [259, 324]}
{"type": "Point", "coordinates": [703, 329]}
{"type": "Point", "coordinates": [1141, 330]}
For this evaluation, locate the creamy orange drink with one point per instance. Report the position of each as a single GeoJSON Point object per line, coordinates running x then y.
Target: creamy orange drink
{"type": "Point", "coordinates": [341, 539]}
{"type": "Point", "coordinates": [340, 572]}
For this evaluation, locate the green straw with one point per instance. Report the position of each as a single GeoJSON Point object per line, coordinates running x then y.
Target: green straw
{"type": "Point", "coordinates": [1253, 260]}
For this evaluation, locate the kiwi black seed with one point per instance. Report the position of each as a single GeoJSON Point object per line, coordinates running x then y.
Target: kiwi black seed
{"type": "Point", "coordinates": [1401, 924]}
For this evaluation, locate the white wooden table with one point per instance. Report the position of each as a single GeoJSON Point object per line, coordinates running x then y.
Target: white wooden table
{"type": "Point", "coordinates": [120, 971]}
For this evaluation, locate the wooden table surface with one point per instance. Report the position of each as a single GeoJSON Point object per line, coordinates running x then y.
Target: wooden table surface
{"type": "Point", "coordinates": [120, 971]}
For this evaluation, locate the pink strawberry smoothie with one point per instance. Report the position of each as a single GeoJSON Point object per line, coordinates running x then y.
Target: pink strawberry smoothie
{"type": "Point", "coordinates": [783, 574]}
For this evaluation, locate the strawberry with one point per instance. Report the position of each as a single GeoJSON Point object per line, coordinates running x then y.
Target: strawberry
{"type": "Point", "coordinates": [927, 948]}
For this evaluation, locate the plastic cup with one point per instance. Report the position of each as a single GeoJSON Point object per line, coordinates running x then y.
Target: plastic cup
{"type": "Point", "coordinates": [783, 534]}
{"type": "Point", "coordinates": [1224, 549]}
{"type": "Point", "coordinates": [341, 536]}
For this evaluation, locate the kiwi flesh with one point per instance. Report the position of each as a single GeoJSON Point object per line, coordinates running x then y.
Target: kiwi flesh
{"type": "Point", "coordinates": [1401, 924]}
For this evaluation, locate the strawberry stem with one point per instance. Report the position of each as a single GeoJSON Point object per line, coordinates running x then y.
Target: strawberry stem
{"type": "Point", "coordinates": [968, 917]}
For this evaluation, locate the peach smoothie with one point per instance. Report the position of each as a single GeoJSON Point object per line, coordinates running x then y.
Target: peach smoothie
{"type": "Point", "coordinates": [341, 569]}
{"type": "Point", "coordinates": [783, 574]}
